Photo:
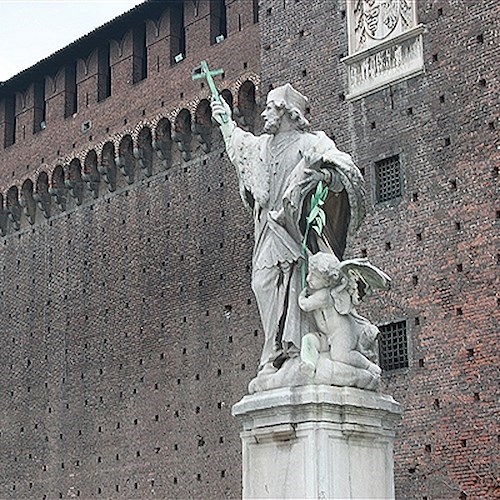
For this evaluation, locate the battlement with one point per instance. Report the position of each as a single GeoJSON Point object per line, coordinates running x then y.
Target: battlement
{"type": "Point", "coordinates": [173, 137]}
{"type": "Point", "coordinates": [129, 74]}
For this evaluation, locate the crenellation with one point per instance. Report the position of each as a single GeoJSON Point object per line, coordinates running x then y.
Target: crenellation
{"type": "Point", "coordinates": [135, 149]}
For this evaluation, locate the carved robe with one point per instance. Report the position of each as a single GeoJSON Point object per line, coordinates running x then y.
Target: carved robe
{"type": "Point", "coordinates": [271, 173]}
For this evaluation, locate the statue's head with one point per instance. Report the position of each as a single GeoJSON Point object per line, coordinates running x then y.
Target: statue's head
{"type": "Point", "coordinates": [287, 102]}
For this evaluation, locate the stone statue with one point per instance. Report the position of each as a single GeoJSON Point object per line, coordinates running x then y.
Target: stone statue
{"type": "Point", "coordinates": [278, 171]}
{"type": "Point", "coordinates": [343, 350]}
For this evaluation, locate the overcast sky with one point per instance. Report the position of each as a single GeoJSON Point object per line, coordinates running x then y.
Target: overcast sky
{"type": "Point", "coordinates": [31, 30]}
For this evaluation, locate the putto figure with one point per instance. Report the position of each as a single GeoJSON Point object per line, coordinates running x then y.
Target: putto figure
{"type": "Point", "coordinates": [343, 350]}
{"type": "Point", "coordinates": [278, 171]}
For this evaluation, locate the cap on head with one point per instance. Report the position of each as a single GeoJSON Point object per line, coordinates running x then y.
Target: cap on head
{"type": "Point", "coordinates": [287, 95]}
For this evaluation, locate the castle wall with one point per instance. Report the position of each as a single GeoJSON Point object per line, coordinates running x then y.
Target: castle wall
{"type": "Point", "coordinates": [438, 240]}
{"type": "Point", "coordinates": [129, 327]}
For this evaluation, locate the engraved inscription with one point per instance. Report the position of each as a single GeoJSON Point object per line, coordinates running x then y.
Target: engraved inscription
{"type": "Point", "coordinates": [392, 61]}
{"type": "Point", "coordinates": [385, 44]}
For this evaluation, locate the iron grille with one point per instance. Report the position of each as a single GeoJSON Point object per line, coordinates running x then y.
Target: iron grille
{"type": "Point", "coordinates": [393, 346]}
{"type": "Point", "coordinates": [388, 178]}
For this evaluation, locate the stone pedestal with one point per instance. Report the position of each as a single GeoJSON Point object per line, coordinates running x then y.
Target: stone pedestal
{"type": "Point", "coordinates": [318, 441]}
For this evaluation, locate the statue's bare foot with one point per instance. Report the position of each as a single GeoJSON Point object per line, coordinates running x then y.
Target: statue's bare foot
{"type": "Point", "coordinates": [307, 369]}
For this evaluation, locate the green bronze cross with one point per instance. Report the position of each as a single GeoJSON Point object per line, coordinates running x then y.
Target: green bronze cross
{"type": "Point", "coordinates": [203, 72]}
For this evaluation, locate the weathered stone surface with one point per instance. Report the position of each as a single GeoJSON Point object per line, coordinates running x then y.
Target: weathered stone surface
{"type": "Point", "coordinates": [278, 172]}
{"type": "Point", "coordinates": [317, 442]}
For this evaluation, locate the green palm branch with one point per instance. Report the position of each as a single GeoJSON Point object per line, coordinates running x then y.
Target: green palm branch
{"type": "Point", "coordinates": [315, 220]}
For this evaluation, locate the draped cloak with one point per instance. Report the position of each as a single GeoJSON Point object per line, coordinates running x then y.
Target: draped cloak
{"type": "Point", "coordinates": [270, 172]}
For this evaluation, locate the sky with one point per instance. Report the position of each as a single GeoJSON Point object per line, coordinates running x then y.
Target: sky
{"type": "Point", "coordinates": [31, 30]}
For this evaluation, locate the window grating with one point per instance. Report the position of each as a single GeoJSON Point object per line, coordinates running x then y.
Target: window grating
{"type": "Point", "coordinates": [388, 178]}
{"type": "Point", "coordinates": [393, 346]}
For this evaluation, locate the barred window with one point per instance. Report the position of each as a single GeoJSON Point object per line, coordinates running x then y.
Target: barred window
{"type": "Point", "coordinates": [393, 346]}
{"type": "Point", "coordinates": [388, 178]}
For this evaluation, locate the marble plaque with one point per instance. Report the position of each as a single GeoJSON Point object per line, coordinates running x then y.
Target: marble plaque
{"type": "Point", "coordinates": [385, 44]}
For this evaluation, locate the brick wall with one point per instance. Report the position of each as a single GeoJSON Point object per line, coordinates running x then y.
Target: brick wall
{"type": "Point", "coordinates": [439, 240]}
{"type": "Point", "coordinates": [130, 328]}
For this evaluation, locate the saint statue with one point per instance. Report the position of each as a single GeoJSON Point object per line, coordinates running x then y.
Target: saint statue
{"type": "Point", "coordinates": [278, 174]}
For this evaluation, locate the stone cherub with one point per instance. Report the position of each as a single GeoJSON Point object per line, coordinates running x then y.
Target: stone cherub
{"type": "Point", "coordinates": [343, 349]}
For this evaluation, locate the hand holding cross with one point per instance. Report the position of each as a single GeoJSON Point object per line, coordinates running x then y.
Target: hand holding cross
{"type": "Point", "coordinates": [203, 72]}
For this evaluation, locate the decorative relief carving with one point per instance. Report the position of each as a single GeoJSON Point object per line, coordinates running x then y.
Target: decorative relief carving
{"type": "Point", "coordinates": [376, 20]}
{"type": "Point", "coordinates": [385, 44]}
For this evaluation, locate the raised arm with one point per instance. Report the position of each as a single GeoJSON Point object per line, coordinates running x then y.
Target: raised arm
{"type": "Point", "coordinates": [222, 114]}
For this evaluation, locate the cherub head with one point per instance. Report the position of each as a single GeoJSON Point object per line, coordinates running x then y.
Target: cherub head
{"type": "Point", "coordinates": [324, 271]}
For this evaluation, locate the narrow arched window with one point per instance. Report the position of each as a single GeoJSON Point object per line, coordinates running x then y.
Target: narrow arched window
{"type": "Point", "coordinates": [70, 91]}
{"type": "Point", "coordinates": [177, 34]}
{"type": "Point", "coordinates": [40, 106]}
{"type": "Point", "coordinates": [10, 121]}
{"type": "Point", "coordinates": [103, 73]}
{"type": "Point", "coordinates": [140, 54]}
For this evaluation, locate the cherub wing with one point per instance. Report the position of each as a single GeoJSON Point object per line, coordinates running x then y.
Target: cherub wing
{"type": "Point", "coordinates": [367, 275]}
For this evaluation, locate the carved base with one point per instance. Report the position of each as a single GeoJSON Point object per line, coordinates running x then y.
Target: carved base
{"type": "Point", "coordinates": [317, 441]}
{"type": "Point", "coordinates": [293, 373]}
